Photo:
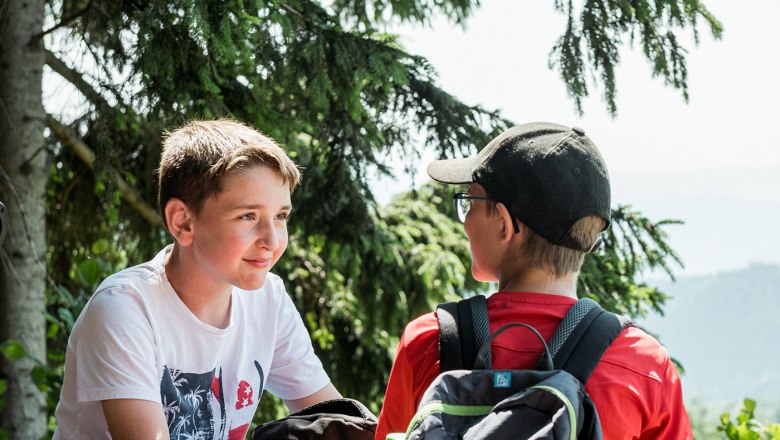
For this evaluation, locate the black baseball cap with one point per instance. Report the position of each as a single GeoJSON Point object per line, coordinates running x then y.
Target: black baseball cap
{"type": "Point", "coordinates": [547, 175]}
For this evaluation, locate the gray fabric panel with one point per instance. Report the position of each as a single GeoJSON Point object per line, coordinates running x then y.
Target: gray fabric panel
{"type": "Point", "coordinates": [479, 315]}
{"type": "Point", "coordinates": [569, 322]}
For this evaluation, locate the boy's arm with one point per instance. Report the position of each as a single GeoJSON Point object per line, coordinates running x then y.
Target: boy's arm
{"type": "Point", "coordinates": [135, 419]}
{"type": "Point", "coordinates": [398, 407]}
{"type": "Point", "coordinates": [328, 392]}
{"type": "Point", "coordinates": [415, 367]}
{"type": "Point", "coordinates": [670, 419]}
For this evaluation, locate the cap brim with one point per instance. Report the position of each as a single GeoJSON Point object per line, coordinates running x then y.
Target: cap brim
{"type": "Point", "coordinates": [452, 170]}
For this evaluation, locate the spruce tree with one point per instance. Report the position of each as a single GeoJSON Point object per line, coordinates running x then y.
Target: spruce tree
{"type": "Point", "coordinates": [339, 91]}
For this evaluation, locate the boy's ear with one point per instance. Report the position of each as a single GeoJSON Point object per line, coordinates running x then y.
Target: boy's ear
{"type": "Point", "coordinates": [507, 222]}
{"type": "Point", "coordinates": [179, 216]}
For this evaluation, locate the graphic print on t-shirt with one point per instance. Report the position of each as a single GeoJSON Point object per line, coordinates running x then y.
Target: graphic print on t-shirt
{"type": "Point", "coordinates": [244, 395]}
{"type": "Point", "coordinates": [195, 407]}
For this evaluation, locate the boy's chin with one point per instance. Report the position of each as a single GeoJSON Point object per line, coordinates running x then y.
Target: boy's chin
{"type": "Point", "coordinates": [253, 284]}
{"type": "Point", "coordinates": [482, 277]}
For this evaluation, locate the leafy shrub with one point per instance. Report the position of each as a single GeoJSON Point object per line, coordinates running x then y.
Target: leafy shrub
{"type": "Point", "coordinates": [746, 426]}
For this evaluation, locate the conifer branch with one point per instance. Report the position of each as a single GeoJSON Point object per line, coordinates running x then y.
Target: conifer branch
{"type": "Point", "coordinates": [82, 150]}
{"type": "Point", "coordinates": [63, 22]}
{"type": "Point", "coordinates": [292, 10]}
{"type": "Point", "coordinates": [75, 78]}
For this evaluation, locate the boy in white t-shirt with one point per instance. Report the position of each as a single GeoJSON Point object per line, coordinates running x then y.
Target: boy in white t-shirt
{"type": "Point", "coordinates": [184, 345]}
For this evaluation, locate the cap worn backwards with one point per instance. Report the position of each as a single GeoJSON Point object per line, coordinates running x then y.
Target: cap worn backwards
{"type": "Point", "coordinates": [547, 175]}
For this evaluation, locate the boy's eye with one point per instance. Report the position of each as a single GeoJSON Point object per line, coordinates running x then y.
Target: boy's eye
{"type": "Point", "coordinates": [247, 216]}
{"type": "Point", "coordinates": [283, 216]}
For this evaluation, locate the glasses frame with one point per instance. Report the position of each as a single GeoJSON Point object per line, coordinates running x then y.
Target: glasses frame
{"type": "Point", "coordinates": [460, 214]}
{"type": "Point", "coordinates": [458, 198]}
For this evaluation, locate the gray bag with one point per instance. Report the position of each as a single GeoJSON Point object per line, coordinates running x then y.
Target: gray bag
{"type": "Point", "coordinates": [547, 403]}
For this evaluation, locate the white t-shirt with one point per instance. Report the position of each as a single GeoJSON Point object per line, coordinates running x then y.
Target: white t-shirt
{"type": "Point", "coordinates": [136, 339]}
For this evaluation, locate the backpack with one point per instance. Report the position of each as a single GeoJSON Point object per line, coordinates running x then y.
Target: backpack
{"type": "Point", "coordinates": [336, 419]}
{"type": "Point", "coordinates": [471, 401]}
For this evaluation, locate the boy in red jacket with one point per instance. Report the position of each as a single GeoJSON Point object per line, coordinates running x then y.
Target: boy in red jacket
{"type": "Point", "coordinates": [537, 200]}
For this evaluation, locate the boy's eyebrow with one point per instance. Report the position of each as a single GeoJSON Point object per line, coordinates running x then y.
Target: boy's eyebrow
{"type": "Point", "coordinates": [259, 206]}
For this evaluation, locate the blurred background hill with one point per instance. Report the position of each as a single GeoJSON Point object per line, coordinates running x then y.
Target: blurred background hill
{"type": "Point", "coordinates": [724, 329]}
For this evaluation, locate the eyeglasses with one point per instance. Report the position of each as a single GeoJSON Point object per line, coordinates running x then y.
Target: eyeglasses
{"type": "Point", "coordinates": [463, 204]}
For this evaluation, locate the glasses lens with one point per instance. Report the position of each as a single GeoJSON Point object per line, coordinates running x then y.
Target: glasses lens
{"type": "Point", "coordinates": [463, 208]}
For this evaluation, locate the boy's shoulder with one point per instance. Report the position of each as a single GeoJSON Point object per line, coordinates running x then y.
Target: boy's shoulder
{"type": "Point", "coordinates": [422, 328]}
{"type": "Point", "coordinates": [147, 273]}
{"type": "Point", "coordinates": [128, 292]}
{"type": "Point", "coordinates": [634, 351]}
{"type": "Point", "coordinates": [637, 352]}
{"type": "Point", "coordinates": [420, 340]}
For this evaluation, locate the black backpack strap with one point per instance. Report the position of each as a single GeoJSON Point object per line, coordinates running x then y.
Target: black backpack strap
{"type": "Point", "coordinates": [583, 336]}
{"type": "Point", "coordinates": [463, 327]}
{"type": "Point", "coordinates": [450, 357]}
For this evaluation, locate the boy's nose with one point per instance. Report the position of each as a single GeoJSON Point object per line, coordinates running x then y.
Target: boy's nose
{"type": "Point", "coordinates": [268, 236]}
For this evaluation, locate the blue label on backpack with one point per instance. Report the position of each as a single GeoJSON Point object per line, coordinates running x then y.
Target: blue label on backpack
{"type": "Point", "coordinates": [502, 379]}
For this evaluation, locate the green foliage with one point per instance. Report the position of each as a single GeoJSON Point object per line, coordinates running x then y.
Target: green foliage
{"type": "Point", "coordinates": [632, 245]}
{"type": "Point", "coordinates": [746, 426]}
{"type": "Point", "coordinates": [13, 350]}
{"type": "Point", "coordinates": [593, 38]}
{"type": "Point", "coordinates": [344, 98]}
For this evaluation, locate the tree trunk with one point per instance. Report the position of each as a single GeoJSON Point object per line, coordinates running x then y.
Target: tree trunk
{"type": "Point", "coordinates": [23, 176]}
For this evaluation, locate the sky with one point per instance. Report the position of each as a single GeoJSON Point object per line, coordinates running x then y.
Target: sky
{"type": "Point", "coordinates": [713, 162]}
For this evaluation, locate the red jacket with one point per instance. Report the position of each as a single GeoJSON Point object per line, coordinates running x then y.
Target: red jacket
{"type": "Point", "coordinates": [635, 387]}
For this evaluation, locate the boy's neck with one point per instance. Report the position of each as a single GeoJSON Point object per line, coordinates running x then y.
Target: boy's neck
{"type": "Point", "coordinates": [540, 281]}
{"type": "Point", "coordinates": [210, 304]}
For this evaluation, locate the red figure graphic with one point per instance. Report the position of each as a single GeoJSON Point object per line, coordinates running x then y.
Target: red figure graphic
{"type": "Point", "coordinates": [244, 397]}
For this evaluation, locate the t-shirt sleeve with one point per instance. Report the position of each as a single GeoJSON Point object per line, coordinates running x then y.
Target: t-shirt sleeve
{"type": "Point", "coordinates": [113, 346]}
{"type": "Point", "coordinates": [296, 371]}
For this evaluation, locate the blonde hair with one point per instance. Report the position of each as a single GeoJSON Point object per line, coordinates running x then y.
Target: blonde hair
{"type": "Point", "coordinates": [198, 155]}
{"type": "Point", "coordinates": [540, 253]}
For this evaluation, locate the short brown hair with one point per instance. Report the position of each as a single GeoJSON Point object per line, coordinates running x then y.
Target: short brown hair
{"type": "Point", "coordinates": [540, 253]}
{"type": "Point", "coordinates": [198, 155]}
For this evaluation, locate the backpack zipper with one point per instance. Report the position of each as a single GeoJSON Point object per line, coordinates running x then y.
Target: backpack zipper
{"type": "Point", "coordinates": [456, 410]}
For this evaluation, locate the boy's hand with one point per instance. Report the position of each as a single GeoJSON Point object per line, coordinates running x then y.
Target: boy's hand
{"type": "Point", "coordinates": [328, 392]}
{"type": "Point", "coordinates": [135, 419]}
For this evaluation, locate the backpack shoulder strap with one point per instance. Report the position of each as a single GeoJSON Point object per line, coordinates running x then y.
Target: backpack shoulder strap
{"type": "Point", "coordinates": [463, 327]}
{"type": "Point", "coordinates": [583, 336]}
{"type": "Point", "coordinates": [450, 357]}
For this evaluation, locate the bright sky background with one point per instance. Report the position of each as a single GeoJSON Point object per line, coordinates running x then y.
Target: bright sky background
{"type": "Point", "coordinates": [713, 162]}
